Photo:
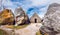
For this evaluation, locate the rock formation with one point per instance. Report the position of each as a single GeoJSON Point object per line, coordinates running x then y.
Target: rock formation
{"type": "Point", "coordinates": [6, 17]}
{"type": "Point", "coordinates": [21, 17]}
{"type": "Point", "coordinates": [51, 20]}
{"type": "Point", "coordinates": [18, 11]}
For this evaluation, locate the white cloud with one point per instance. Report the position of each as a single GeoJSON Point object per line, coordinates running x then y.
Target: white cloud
{"type": "Point", "coordinates": [39, 2]}
{"type": "Point", "coordinates": [36, 3]}
{"type": "Point", "coordinates": [26, 4]}
{"type": "Point", "coordinates": [8, 4]}
{"type": "Point", "coordinates": [43, 11]}
{"type": "Point", "coordinates": [41, 16]}
{"type": "Point", "coordinates": [31, 3]}
{"type": "Point", "coordinates": [55, 1]}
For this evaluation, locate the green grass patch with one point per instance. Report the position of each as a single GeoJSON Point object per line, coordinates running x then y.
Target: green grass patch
{"type": "Point", "coordinates": [2, 32]}
{"type": "Point", "coordinates": [39, 33]}
{"type": "Point", "coordinates": [17, 27]}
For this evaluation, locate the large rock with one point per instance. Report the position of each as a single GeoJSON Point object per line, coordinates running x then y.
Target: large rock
{"type": "Point", "coordinates": [51, 20]}
{"type": "Point", "coordinates": [18, 11]}
{"type": "Point", "coordinates": [6, 17]}
{"type": "Point", "coordinates": [21, 17]}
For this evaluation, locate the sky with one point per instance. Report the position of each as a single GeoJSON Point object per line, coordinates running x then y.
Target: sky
{"type": "Point", "coordinates": [29, 6]}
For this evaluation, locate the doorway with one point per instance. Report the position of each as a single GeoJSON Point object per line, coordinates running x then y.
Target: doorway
{"type": "Point", "coordinates": [35, 20]}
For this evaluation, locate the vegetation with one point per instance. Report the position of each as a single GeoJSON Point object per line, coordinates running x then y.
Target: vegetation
{"type": "Point", "coordinates": [16, 27]}
{"type": "Point", "coordinates": [2, 32]}
{"type": "Point", "coordinates": [39, 33]}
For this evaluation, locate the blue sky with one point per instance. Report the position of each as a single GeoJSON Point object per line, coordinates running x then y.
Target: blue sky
{"type": "Point", "coordinates": [29, 6]}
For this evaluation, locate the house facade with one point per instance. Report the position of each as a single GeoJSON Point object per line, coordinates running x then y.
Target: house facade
{"type": "Point", "coordinates": [35, 18]}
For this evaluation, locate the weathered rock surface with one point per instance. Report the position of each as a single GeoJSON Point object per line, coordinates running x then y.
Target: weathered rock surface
{"type": "Point", "coordinates": [51, 20]}
{"type": "Point", "coordinates": [21, 17]}
{"type": "Point", "coordinates": [18, 11]}
{"type": "Point", "coordinates": [6, 17]}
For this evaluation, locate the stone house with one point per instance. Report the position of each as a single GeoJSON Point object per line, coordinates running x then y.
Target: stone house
{"type": "Point", "coordinates": [35, 18]}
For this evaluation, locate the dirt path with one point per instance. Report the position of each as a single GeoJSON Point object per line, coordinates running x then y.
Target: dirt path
{"type": "Point", "coordinates": [29, 30]}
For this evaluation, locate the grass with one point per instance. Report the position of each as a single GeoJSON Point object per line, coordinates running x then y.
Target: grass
{"type": "Point", "coordinates": [39, 33]}
{"type": "Point", "coordinates": [16, 27]}
{"type": "Point", "coordinates": [2, 32]}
